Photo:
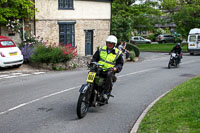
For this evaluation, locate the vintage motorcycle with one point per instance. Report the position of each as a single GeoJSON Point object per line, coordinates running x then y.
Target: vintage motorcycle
{"type": "Point", "coordinates": [173, 60]}
{"type": "Point", "coordinates": [92, 93]}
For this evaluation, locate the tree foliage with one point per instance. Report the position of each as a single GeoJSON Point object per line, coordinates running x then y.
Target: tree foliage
{"type": "Point", "coordinates": [15, 9]}
{"type": "Point", "coordinates": [185, 14]}
{"type": "Point", "coordinates": [127, 17]}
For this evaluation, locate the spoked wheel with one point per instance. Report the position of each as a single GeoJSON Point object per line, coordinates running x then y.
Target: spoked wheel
{"type": "Point", "coordinates": [82, 105]}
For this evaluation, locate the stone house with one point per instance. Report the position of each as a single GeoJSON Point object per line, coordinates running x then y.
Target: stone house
{"type": "Point", "coordinates": [82, 23]}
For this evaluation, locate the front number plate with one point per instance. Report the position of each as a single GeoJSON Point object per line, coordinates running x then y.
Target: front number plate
{"type": "Point", "coordinates": [91, 76]}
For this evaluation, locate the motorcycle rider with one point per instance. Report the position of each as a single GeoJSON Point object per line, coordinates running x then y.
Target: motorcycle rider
{"type": "Point", "coordinates": [109, 56]}
{"type": "Point", "coordinates": [178, 50]}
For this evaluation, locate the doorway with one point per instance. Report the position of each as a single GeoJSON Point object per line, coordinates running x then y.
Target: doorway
{"type": "Point", "coordinates": [88, 42]}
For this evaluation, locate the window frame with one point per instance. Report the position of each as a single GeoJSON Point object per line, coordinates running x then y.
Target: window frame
{"type": "Point", "coordinates": [65, 8]}
{"type": "Point", "coordinates": [72, 32]}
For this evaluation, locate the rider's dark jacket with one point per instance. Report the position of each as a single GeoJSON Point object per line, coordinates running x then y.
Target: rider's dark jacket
{"type": "Point", "coordinates": [119, 61]}
{"type": "Point", "coordinates": [177, 49]}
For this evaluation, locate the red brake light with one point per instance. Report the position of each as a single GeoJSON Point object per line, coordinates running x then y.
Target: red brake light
{"type": "Point", "coordinates": [2, 55]}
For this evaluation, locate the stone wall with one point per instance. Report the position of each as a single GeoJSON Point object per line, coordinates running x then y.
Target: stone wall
{"type": "Point", "coordinates": [49, 30]}
{"type": "Point", "coordinates": [16, 37]}
{"type": "Point", "coordinates": [77, 62]}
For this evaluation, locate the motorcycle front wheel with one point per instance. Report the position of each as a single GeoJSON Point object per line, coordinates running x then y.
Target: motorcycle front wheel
{"type": "Point", "coordinates": [82, 105]}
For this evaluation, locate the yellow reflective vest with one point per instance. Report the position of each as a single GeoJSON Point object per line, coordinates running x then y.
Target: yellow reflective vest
{"type": "Point", "coordinates": [108, 60]}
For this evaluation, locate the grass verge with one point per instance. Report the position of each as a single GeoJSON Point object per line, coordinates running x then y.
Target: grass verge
{"type": "Point", "coordinates": [177, 112]}
{"type": "Point", "coordinates": [159, 47]}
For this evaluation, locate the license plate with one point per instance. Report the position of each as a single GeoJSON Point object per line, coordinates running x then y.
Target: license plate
{"type": "Point", "coordinates": [13, 54]}
{"type": "Point", "coordinates": [91, 76]}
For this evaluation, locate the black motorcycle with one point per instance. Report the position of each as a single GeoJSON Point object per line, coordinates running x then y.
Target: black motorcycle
{"type": "Point", "coordinates": [173, 60]}
{"type": "Point", "coordinates": [92, 93]}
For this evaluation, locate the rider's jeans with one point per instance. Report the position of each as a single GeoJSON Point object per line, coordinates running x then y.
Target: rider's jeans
{"type": "Point", "coordinates": [109, 80]}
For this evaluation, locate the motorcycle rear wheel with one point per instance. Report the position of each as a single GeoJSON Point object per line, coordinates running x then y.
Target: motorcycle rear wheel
{"type": "Point", "coordinates": [82, 105]}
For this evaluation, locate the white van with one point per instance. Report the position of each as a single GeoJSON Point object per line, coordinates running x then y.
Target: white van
{"type": "Point", "coordinates": [194, 41]}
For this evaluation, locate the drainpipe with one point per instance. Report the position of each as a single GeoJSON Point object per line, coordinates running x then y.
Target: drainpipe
{"type": "Point", "coordinates": [23, 29]}
{"type": "Point", "coordinates": [34, 22]}
{"type": "Point", "coordinates": [111, 15]}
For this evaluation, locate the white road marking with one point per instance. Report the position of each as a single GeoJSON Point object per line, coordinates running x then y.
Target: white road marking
{"type": "Point", "coordinates": [190, 62]}
{"type": "Point", "coordinates": [9, 77]}
{"type": "Point", "coordinates": [3, 76]}
{"type": "Point", "coordinates": [38, 73]}
{"type": "Point", "coordinates": [38, 99]}
{"type": "Point", "coordinates": [136, 72]}
{"type": "Point", "coordinates": [14, 75]}
{"type": "Point", "coordinates": [155, 59]}
{"type": "Point", "coordinates": [24, 75]}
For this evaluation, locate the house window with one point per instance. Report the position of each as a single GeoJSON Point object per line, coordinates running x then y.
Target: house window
{"type": "Point", "coordinates": [65, 4]}
{"type": "Point", "coordinates": [66, 33]}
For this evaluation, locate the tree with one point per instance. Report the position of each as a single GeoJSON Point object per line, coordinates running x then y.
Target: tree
{"type": "Point", "coordinates": [121, 22]}
{"type": "Point", "coordinates": [15, 9]}
{"type": "Point", "coordinates": [127, 17]}
{"type": "Point", "coordinates": [186, 14]}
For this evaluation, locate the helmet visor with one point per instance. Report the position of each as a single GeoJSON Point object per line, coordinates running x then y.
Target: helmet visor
{"type": "Point", "coordinates": [110, 43]}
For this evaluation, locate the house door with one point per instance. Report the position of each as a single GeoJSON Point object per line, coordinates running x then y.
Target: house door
{"type": "Point", "coordinates": [89, 42]}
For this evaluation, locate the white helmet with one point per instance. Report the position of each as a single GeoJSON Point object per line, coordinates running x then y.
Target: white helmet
{"type": "Point", "coordinates": [112, 39]}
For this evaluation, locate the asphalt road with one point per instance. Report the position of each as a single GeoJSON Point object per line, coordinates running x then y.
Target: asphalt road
{"type": "Point", "coordinates": [46, 103]}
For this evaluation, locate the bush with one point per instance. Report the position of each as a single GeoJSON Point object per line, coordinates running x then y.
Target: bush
{"type": "Point", "coordinates": [134, 48]}
{"type": "Point", "coordinates": [28, 45]}
{"type": "Point", "coordinates": [178, 39]}
{"type": "Point", "coordinates": [27, 51]}
{"type": "Point", "coordinates": [152, 37]}
{"type": "Point", "coordinates": [31, 39]}
{"type": "Point", "coordinates": [132, 55]}
{"type": "Point", "coordinates": [53, 54]}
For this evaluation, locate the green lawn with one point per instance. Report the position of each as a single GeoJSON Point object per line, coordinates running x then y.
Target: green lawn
{"type": "Point", "coordinates": [177, 112]}
{"type": "Point", "coordinates": [159, 47]}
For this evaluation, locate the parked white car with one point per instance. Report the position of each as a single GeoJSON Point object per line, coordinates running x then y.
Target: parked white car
{"type": "Point", "coordinates": [10, 54]}
{"type": "Point", "coordinates": [140, 40]}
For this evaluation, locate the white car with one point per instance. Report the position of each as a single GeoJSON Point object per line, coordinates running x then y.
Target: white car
{"type": "Point", "coordinates": [10, 54]}
{"type": "Point", "coordinates": [140, 40]}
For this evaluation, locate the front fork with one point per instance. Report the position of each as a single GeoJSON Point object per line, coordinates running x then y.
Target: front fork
{"type": "Point", "coordinates": [92, 94]}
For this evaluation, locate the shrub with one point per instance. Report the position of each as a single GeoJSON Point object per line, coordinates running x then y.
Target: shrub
{"type": "Point", "coordinates": [27, 51]}
{"type": "Point", "coordinates": [28, 45]}
{"type": "Point", "coordinates": [152, 37]}
{"type": "Point", "coordinates": [69, 50]}
{"type": "Point", "coordinates": [46, 54]}
{"type": "Point", "coordinates": [31, 39]}
{"type": "Point", "coordinates": [53, 54]}
{"type": "Point", "coordinates": [132, 55]}
{"type": "Point", "coordinates": [134, 48]}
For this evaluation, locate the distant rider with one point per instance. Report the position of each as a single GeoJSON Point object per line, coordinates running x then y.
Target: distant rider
{"type": "Point", "coordinates": [178, 50]}
{"type": "Point", "coordinates": [109, 56]}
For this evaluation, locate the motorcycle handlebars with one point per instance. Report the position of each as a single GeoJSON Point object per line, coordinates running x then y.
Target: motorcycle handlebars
{"type": "Point", "coordinates": [96, 65]}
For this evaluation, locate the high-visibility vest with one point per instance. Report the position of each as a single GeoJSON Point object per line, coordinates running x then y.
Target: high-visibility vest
{"type": "Point", "coordinates": [108, 60]}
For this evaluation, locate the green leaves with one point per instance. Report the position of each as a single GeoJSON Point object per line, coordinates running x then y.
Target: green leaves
{"type": "Point", "coordinates": [184, 13]}
{"type": "Point", "coordinates": [16, 9]}
{"type": "Point", "coordinates": [128, 17]}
